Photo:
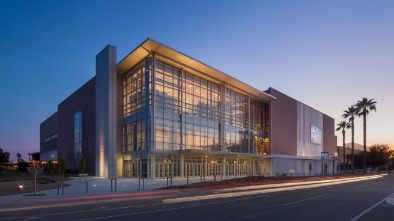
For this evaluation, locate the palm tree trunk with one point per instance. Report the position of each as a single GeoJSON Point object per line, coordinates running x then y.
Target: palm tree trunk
{"type": "Point", "coordinates": [344, 154]}
{"type": "Point", "coordinates": [339, 161]}
{"type": "Point", "coordinates": [365, 142]}
{"type": "Point", "coordinates": [353, 145]}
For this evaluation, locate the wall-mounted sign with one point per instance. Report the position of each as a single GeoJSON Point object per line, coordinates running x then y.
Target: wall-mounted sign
{"type": "Point", "coordinates": [316, 135]}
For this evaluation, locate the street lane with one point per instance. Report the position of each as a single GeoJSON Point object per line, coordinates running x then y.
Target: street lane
{"type": "Point", "coordinates": [315, 201]}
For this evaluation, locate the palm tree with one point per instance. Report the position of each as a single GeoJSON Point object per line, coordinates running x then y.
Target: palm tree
{"type": "Point", "coordinates": [350, 113]}
{"type": "Point", "coordinates": [342, 126]}
{"type": "Point", "coordinates": [363, 107]}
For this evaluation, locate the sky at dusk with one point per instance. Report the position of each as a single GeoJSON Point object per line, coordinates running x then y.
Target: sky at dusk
{"type": "Point", "coordinates": [326, 54]}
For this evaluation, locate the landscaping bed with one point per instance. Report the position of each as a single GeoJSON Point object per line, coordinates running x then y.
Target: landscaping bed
{"type": "Point", "coordinates": [253, 180]}
{"type": "Point", "coordinates": [16, 182]}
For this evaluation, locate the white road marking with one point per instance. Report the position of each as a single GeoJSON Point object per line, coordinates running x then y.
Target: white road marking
{"type": "Point", "coordinates": [369, 209]}
{"type": "Point", "coordinates": [299, 201]}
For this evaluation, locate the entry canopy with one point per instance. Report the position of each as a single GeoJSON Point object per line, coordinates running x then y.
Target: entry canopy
{"type": "Point", "coordinates": [149, 46]}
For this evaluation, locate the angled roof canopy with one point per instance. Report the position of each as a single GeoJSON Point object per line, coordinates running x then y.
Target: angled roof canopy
{"type": "Point", "coordinates": [149, 46]}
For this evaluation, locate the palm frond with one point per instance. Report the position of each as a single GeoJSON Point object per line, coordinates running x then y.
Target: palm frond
{"type": "Point", "coordinates": [365, 105]}
{"type": "Point", "coordinates": [350, 112]}
{"type": "Point", "coordinates": [343, 125]}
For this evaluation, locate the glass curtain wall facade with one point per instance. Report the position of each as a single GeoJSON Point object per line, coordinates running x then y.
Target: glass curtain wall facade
{"type": "Point", "coordinates": [181, 134]}
{"type": "Point", "coordinates": [182, 97]}
{"type": "Point", "coordinates": [137, 113]}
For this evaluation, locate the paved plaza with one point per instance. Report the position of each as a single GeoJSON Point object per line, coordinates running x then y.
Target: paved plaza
{"type": "Point", "coordinates": [97, 186]}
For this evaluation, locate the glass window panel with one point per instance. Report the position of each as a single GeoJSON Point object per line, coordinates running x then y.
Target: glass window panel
{"type": "Point", "coordinates": [169, 78]}
{"type": "Point", "coordinates": [197, 141]}
{"type": "Point", "coordinates": [197, 81]}
{"type": "Point", "coordinates": [189, 141]}
{"type": "Point", "coordinates": [177, 127]}
{"type": "Point", "coordinates": [196, 100]}
{"type": "Point", "coordinates": [159, 89]}
{"type": "Point", "coordinates": [176, 94]}
{"type": "Point", "coordinates": [204, 103]}
{"type": "Point", "coordinates": [168, 114]}
{"type": "Point", "coordinates": [166, 146]}
{"type": "Point", "coordinates": [189, 99]}
{"type": "Point", "coordinates": [204, 141]}
{"type": "Point", "coordinates": [197, 90]}
{"type": "Point", "coordinates": [196, 130]}
{"type": "Point", "coordinates": [159, 145]}
{"type": "Point", "coordinates": [210, 141]}
{"type": "Point", "coordinates": [159, 76]}
{"type": "Point", "coordinates": [204, 93]}
{"type": "Point", "coordinates": [204, 84]}
{"type": "Point", "coordinates": [177, 138]}
{"type": "Point", "coordinates": [167, 136]}
{"type": "Point", "coordinates": [189, 129]}
{"type": "Point", "coordinates": [168, 92]}
{"type": "Point", "coordinates": [159, 66]}
{"type": "Point", "coordinates": [189, 87]}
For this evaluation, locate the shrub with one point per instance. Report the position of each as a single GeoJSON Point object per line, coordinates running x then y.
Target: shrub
{"type": "Point", "coordinates": [22, 166]}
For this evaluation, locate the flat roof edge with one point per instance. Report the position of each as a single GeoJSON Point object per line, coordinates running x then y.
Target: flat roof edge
{"type": "Point", "coordinates": [151, 45]}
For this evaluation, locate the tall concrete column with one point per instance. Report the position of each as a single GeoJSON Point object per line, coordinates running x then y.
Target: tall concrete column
{"type": "Point", "coordinates": [108, 144]}
{"type": "Point", "coordinates": [153, 166]}
{"type": "Point", "coordinates": [224, 166]}
{"type": "Point", "coordinates": [182, 161]}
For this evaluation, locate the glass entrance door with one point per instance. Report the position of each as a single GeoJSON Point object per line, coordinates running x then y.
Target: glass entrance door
{"type": "Point", "coordinates": [192, 169]}
{"type": "Point", "coordinates": [230, 169]}
{"type": "Point", "coordinates": [214, 169]}
{"type": "Point", "coordinates": [166, 169]}
{"type": "Point", "coordinates": [135, 168]}
{"type": "Point", "coordinates": [159, 170]}
{"type": "Point", "coordinates": [127, 168]}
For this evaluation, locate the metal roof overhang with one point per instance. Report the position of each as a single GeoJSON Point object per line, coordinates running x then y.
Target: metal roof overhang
{"type": "Point", "coordinates": [149, 46]}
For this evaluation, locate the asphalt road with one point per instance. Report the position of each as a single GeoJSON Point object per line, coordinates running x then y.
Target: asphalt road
{"type": "Point", "coordinates": [346, 200]}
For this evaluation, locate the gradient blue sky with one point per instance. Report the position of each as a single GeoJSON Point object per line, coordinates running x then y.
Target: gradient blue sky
{"type": "Point", "coordinates": [326, 54]}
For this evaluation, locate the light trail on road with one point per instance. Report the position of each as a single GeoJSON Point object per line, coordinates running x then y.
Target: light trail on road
{"type": "Point", "coordinates": [264, 189]}
{"type": "Point", "coordinates": [162, 203]}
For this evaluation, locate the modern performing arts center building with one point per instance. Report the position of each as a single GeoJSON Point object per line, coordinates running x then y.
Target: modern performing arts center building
{"type": "Point", "coordinates": [160, 113]}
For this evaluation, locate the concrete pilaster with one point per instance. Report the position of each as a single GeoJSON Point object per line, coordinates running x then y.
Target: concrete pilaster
{"type": "Point", "coordinates": [106, 113]}
{"type": "Point", "coordinates": [182, 169]}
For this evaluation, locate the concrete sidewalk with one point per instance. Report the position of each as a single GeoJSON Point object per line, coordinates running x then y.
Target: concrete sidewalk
{"type": "Point", "coordinates": [99, 186]}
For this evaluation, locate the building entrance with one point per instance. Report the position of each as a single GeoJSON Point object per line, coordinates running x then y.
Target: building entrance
{"type": "Point", "coordinates": [166, 169]}
{"type": "Point", "coordinates": [230, 170]}
{"type": "Point", "coordinates": [192, 169]}
{"type": "Point", "coordinates": [214, 169]}
{"type": "Point", "coordinates": [131, 169]}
